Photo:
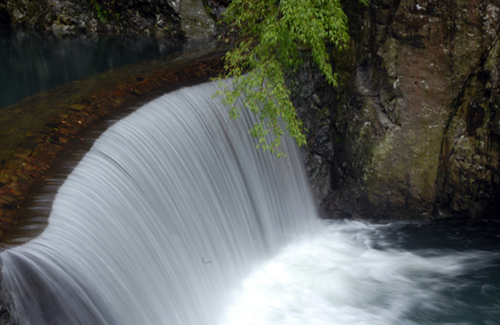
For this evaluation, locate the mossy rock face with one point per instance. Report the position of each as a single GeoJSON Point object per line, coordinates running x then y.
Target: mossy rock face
{"type": "Point", "coordinates": [195, 21]}
{"type": "Point", "coordinates": [415, 124]}
{"type": "Point", "coordinates": [469, 181]}
{"type": "Point", "coordinates": [161, 18]}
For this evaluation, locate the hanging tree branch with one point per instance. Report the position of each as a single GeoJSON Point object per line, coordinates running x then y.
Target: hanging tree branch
{"type": "Point", "coordinates": [270, 37]}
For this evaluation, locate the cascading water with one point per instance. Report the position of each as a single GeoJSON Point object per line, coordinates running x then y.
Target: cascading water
{"type": "Point", "coordinates": [173, 218]}
{"type": "Point", "coordinates": [160, 220]}
{"type": "Point", "coordinates": [351, 273]}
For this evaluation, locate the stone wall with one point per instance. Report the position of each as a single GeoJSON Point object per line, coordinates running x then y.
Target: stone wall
{"type": "Point", "coordinates": [413, 130]}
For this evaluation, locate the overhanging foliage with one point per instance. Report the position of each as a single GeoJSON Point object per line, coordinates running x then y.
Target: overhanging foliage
{"type": "Point", "coordinates": [271, 33]}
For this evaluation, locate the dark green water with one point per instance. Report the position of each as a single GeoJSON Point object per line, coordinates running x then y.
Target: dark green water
{"type": "Point", "coordinates": [472, 294]}
{"type": "Point", "coordinates": [32, 61]}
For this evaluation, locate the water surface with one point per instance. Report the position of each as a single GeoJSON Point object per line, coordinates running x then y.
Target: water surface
{"type": "Point", "coordinates": [32, 61]}
{"type": "Point", "coordinates": [378, 274]}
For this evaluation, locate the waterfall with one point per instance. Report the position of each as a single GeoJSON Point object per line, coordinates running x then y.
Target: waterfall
{"type": "Point", "coordinates": [161, 220]}
{"type": "Point", "coordinates": [173, 218]}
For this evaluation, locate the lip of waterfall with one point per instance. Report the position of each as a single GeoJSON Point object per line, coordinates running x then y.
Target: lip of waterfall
{"type": "Point", "coordinates": [160, 220]}
{"type": "Point", "coordinates": [33, 218]}
{"type": "Point", "coordinates": [36, 129]}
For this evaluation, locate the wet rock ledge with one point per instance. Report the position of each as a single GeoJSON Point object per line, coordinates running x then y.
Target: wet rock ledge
{"type": "Point", "coordinates": [35, 131]}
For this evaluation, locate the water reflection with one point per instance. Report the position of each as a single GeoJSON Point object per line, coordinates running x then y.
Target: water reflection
{"type": "Point", "coordinates": [33, 61]}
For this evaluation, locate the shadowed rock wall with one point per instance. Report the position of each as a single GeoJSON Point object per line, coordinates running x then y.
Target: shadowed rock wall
{"type": "Point", "coordinates": [413, 131]}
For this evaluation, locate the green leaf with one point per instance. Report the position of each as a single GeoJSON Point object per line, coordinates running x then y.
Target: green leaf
{"type": "Point", "coordinates": [271, 35]}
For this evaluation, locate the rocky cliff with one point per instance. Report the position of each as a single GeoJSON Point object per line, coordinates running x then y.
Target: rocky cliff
{"type": "Point", "coordinates": [163, 18]}
{"type": "Point", "coordinates": [413, 131]}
